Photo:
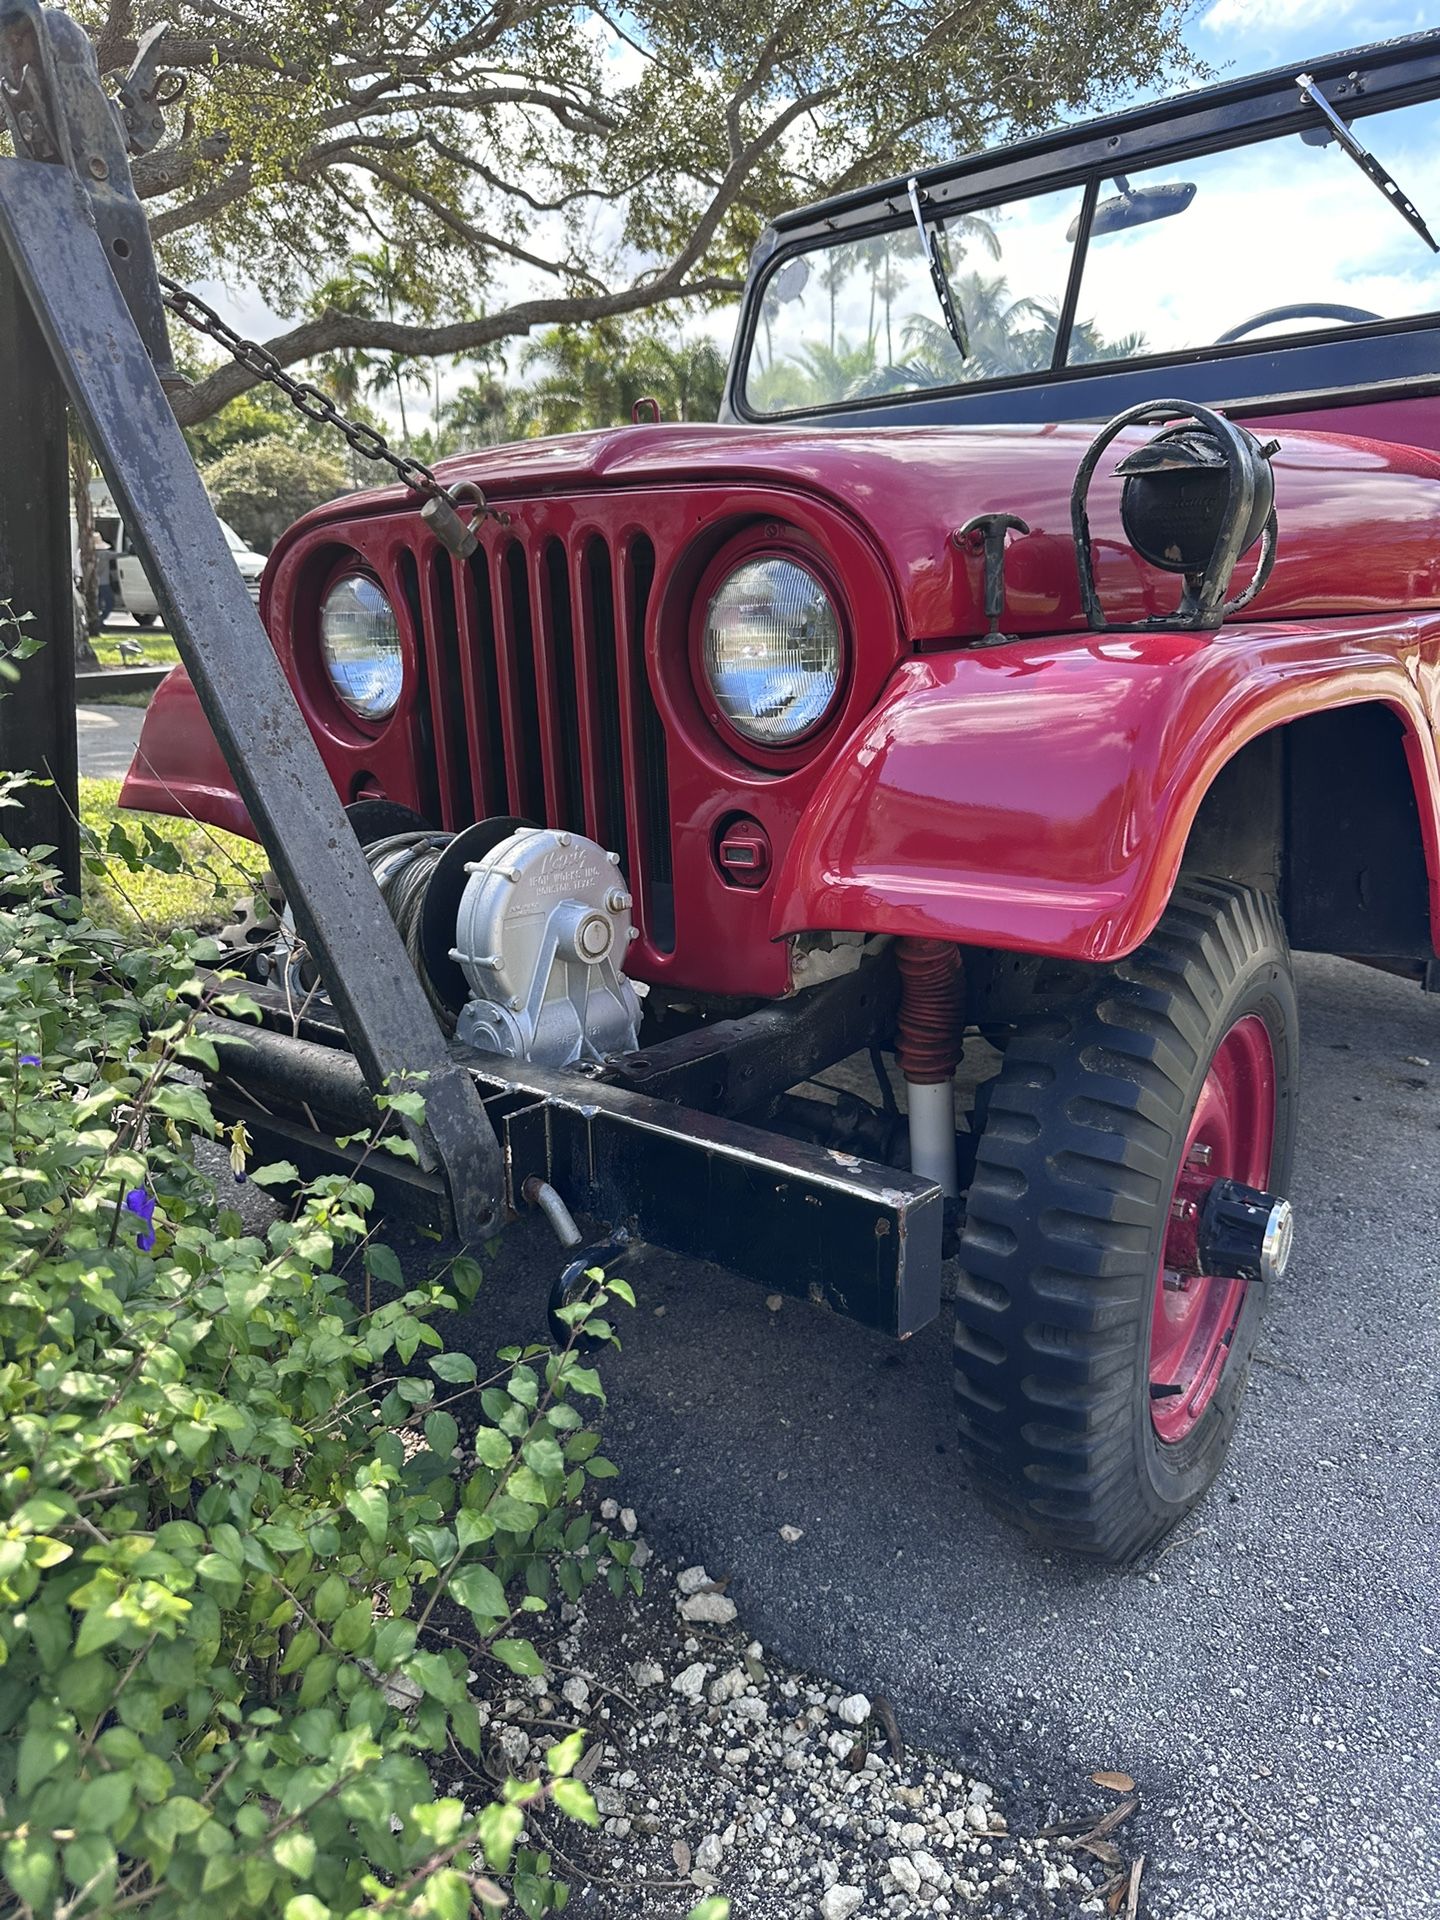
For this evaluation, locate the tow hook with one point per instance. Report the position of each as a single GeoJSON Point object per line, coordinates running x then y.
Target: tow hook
{"type": "Point", "coordinates": [1245, 1234]}
{"type": "Point", "coordinates": [574, 1284]}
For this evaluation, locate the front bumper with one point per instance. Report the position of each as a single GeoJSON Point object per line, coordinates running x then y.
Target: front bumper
{"type": "Point", "coordinates": [804, 1220]}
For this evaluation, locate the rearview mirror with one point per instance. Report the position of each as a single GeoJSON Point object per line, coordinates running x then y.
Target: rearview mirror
{"type": "Point", "coordinates": [1137, 206]}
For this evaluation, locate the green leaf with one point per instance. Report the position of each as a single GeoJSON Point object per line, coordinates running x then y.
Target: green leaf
{"type": "Point", "coordinates": [184, 1103]}
{"type": "Point", "coordinates": [304, 1906]}
{"type": "Point", "coordinates": [601, 1469]}
{"type": "Point", "coordinates": [498, 1828]}
{"type": "Point", "coordinates": [371, 1508]}
{"type": "Point", "coordinates": [30, 1867]}
{"type": "Point", "coordinates": [295, 1852]}
{"type": "Point", "coordinates": [466, 1277]}
{"type": "Point", "coordinates": [472, 1528]}
{"type": "Point", "coordinates": [394, 1642]}
{"type": "Point", "coordinates": [446, 1896]}
{"type": "Point", "coordinates": [98, 1628]}
{"type": "Point", "coordinates": [278, 1173]}
{"type": "Point", "coordinates": [478, 1589]}
{"type": "Point", "coordinates": [175, 1817]}
{"type": "Point", "coordinates": [524, 1386]}
{"type": "Point", "coordinates": [574, 1799]}
{"type": "Point", "coordinates": [317, 1680]}
{"type": "Point", "coordinates": [543, 1455]}
{"type": "Point", "coordinates": [331, 1597]}
{"type": "Point", "coordinates": [714, 1907]}
{"type": "Point", "coordinates": [565, 1755]}
{"type": "Point", "coordinates": [104, 1801]}
{"type": "Point", "coordinates": [492, 1449]}
{"type": "Point", "coordinates": [621, 1289]}
{"type": "Point", "coordinates": [384, 1266]}
{"type": "Point", "coordinates": [519, 1656]}
{"type": "Point", "coordinates": [42, 1750]}
{"type": "Point", "coordinates": [456, 1369]}
{"type": "Point", "coordinates": [442, 1435]}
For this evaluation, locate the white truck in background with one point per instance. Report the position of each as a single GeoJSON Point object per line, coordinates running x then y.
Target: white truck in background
{"type": "Point", "coordinates": [115, 556]}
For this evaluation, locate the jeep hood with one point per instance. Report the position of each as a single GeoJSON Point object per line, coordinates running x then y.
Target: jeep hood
{"type": "Point", "coordinates": [1359, 519]}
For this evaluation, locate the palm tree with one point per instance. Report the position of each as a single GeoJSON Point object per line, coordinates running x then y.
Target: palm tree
{"type": "Point", "coordinates": [388, 281]}
{"type": "Point", "coordinates": [392, 373]}
{"type": "Point", "coordinates": [343, 374]}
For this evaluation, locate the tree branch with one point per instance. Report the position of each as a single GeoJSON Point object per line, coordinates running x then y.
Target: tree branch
{"type": "Point", "coordinates": [334, 332]}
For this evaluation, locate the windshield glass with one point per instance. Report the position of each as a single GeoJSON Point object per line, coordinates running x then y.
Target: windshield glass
{"type": "Point", "coordinates": [1290, 223]}
{"type": "Point", "coordinates": [1181, 257]}
{"type": "Point", "coordinates": [861, 319]}
{"type": "Point", "coordinates": [232, 538]}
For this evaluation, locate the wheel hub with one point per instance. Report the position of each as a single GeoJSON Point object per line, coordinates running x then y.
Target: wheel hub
{"type": "Point", "coordinates": [1225, 1231]}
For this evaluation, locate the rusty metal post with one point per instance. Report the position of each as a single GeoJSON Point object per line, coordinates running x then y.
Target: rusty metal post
{"type": "Point", "coordinates": [37, 711]}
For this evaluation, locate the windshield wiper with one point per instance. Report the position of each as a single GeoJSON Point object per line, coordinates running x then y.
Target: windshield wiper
{"type": "Point", "coordinates": [930, 246]}
{"type": "Point", "coordinates": [1366, 161]}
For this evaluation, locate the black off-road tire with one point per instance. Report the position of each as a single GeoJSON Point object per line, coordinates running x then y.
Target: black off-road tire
{"type": "Point", "coordinates": [1067, 1217]}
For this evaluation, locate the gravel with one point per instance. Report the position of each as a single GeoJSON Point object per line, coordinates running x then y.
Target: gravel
{"type": "Point", "coordinates": [749, 1778]}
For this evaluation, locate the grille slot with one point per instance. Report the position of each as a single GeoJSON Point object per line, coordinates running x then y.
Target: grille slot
{"type": "Point", "coordinates": [654, 764]}
{"type": "Point", "coordinates": [538, 699]}
{"type": "Point", "coordinates": [482, 689]}
{"type": "Point", "coordinates": [457, 800]}
{"type": "Point", "coordinates": [608, 792]}
{"type": "Point", "coordinates": [516, 633]}
{"type": "Point", "coordinates": [568, 807]}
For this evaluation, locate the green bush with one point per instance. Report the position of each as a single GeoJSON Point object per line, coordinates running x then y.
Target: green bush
{"type": "Point", "coordinates": [263, 485]}
{"type": "Point", "coordinates": [253, 1540]}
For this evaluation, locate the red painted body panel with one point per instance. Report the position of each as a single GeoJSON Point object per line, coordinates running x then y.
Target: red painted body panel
{"type": "Point", "coordinates": [1033, 797]}
{"type": "Point", "coordinates": [1038, 797]}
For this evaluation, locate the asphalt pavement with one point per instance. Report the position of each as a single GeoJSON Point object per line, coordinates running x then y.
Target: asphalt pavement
{"type": "Point", "coordinates": [1270, 1676]}
{"type": "Point", "coordinates": [107, 738]}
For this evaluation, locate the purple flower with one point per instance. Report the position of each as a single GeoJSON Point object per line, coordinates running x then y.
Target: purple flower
{"type": "Point", "coordinates": [30, 1060]}
{"type": "Point", "coordinates": [141, 1202]}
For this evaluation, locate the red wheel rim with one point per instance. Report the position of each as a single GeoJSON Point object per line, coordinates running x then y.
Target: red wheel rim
{"type": "Point", "coordinates": [1231, 1137]}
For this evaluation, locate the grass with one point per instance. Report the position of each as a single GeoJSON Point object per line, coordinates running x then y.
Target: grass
{"type": "Point", "coordinates": [158, 648]}
{"type": "Point", "coordinates": [216, 869]}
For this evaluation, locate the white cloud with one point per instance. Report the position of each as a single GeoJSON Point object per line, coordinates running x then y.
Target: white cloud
{"type": "Point", "coordinates": [1277, 16]}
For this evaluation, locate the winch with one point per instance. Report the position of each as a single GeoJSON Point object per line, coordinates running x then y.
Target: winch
{"type": "Point", "coordinates": [541, 935]}
{"type": "Point", "coordinates": [518, 933]}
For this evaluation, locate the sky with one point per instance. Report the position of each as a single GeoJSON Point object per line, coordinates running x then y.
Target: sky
{"type": "Point", "coordinates": [1233, 37]}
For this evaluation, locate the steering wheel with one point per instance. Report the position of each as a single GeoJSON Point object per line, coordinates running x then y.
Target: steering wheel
{"type": "Point", "coordinates": [1302, 310]}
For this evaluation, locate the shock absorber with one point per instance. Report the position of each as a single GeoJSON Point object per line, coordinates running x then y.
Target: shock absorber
{"type": "Point", "coordinates": [929, 1040]}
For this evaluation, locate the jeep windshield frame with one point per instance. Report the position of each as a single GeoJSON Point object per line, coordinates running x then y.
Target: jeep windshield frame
{"type": "Point", "coordinates": [1377, 358]}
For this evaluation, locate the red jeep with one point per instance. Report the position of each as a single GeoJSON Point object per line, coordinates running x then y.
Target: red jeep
{"type": "Point", "coordinates": [907, 709]}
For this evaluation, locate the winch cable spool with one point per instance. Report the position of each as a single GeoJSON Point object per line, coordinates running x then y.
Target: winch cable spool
{"type": "Point", "coordinates": [403, 866]}
{"type": "Point", "coordinates": [421, 872]}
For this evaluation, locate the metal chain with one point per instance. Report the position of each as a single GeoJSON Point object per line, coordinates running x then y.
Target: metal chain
{"type": "Point", "coordinates": [308, 398]}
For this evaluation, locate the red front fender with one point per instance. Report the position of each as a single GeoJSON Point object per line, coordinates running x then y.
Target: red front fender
{"type": "Point", "coordinates": [178, 766]}
{"type": "Point", "coordinates": [1037, 797]}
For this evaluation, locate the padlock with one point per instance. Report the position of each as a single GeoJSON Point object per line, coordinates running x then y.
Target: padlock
{"type": "Point", "coordinates": [448, 528]}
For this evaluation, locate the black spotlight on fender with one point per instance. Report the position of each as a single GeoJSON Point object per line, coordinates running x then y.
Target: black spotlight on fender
{"type": "Point", "coordinates": [1194, 500]}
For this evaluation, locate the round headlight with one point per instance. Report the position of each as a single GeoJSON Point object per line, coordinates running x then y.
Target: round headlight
{"type": "Point", "coordinates": [361, 643]}
{"type": "Point", "coordinates": [772, 651]}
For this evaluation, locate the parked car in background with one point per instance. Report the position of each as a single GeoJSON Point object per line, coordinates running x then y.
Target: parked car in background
{"type": "Point", "coordinates": [131, 591]}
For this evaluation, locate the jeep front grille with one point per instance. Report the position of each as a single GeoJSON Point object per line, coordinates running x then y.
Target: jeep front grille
{"type": "Point", "coordinates": [538, 700]}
